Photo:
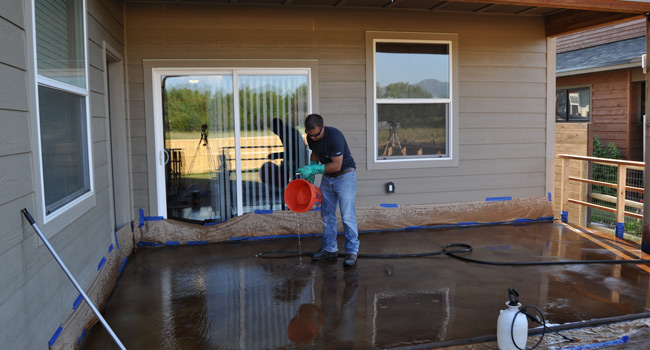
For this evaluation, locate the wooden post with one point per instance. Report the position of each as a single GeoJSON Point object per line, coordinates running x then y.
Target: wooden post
{"type": "Point", "coordinates": [620, 201]}
{"type": "Point", "coordinates": [564, 191]}
{"type": "Point", "coordinates": [645, 238]}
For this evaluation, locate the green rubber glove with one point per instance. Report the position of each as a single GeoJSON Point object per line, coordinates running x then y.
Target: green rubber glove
{"type": "Point", "coordinates": [309, 171]}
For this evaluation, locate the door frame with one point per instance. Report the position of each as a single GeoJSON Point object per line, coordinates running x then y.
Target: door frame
{"type": "Point", "coordinates": [153, 110]}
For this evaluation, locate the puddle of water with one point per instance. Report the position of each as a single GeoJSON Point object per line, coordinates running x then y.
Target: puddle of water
{"type": "Point", "coordinates": [222, 296]}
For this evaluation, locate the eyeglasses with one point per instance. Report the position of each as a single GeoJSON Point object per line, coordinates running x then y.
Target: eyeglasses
{"type": "Point", "coordinates": [316, 134]}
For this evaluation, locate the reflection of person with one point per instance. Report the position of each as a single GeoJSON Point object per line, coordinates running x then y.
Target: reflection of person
{"type": "Point", "coordinates": [292, 157]}
{"type": "Point", "coordinates": [331, 157]}
{"type": "Point", "coordinates": [339, 322]}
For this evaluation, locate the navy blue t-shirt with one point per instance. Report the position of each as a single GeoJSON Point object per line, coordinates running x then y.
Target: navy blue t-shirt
{"type": "Point", "coordinates": [332, 144]}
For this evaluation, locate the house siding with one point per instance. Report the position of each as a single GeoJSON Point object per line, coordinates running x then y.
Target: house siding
{"type": "Point", "coordinates": [601, 35]}
{"type": "Point", "coordinates": [613, 114]}
{"type": "Point", "coordinates": [502, 87]}
{"type": "Point", "coordinates": [35, 294]}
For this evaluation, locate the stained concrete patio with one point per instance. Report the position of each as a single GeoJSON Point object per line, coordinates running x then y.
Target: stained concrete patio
{"type": "Point", "coordinates": [221, 296]}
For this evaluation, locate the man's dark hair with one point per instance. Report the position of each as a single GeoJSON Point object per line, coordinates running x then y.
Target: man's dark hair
{"type": "Point", "coordinates": [313, 121]}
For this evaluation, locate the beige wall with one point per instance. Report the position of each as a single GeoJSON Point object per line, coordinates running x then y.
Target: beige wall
{"type": "Point", "coordinates": [502, 92]}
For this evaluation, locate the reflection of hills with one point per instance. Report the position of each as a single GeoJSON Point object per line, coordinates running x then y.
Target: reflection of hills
{"type": "Point", "coordinates": [436, 87]}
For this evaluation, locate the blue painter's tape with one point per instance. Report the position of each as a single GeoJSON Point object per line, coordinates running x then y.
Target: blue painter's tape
{"type": "Point", "coordinates": [110, 248]}
{"type": "Point", "coordinates": [623, 340]}
{"type": "Point", "coordinates": [83, 334]}
{"type": "Point", "coordinates": [550, 198]}
{"type": "Point", "coordinates": [388, 205]}
{"type": "Point", "coordinates": [414, 227]}
{"type": "Point", "coordinates": [122, 266]}
{"type": "Point", "coordinates": [497, 199]}
{"type": "Point", "coordinates": [239, 238]}
{"type": "Point", "coordinates": [141, 218]}
{"type": "Point", "coordinates": [55, 336]}
{"type": "Point", "coordinates": [196, 242]}
{"type": "Point", "coordinates": [546, 218]}
{"type": "Point", "coordinates": [210, 223]}
{"type": "Point", "coordinates": [565, 216]}
{"type": "Point", "coordinates": [76, 303]}
{"type": "Point", "coordinates": [468, 223]}
{"type": "Point", "coordinates": [523, 220]}
{"type": "Point", "coordinates": [645, 247]}
{"type": "Point", "coordinates": [172, 243]}
{"type": "Point", "coordinates": [148, 244]}
{"type": "Point", "coordinates": [620, 229]}
{"type": "Point", "coordinates": [101, 263]}
{"type": "Point", "coordinates": [117, 242]}
{"type": "Point", "coordinates": [261, 211]}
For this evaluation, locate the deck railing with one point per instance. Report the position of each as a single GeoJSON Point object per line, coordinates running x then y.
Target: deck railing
{"type": "Point", "coordinates": [610, 186]}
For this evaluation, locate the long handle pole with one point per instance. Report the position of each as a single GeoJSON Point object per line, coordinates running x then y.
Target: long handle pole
{"type": "Point", "coordinates": [29, 218]}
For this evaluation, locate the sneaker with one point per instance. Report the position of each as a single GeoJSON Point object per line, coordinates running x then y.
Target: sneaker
{"type": "Point", "coordinates": [350, 260]}
{"type": "Point", "coordinates": [324, 254]}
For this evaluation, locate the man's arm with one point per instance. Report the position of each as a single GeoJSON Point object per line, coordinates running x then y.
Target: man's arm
{"type": "Point", "coordinates": [334, 165]}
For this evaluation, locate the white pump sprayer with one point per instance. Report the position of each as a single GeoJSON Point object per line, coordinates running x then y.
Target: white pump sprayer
{"type": "Point", "coordinates": [512, 325]}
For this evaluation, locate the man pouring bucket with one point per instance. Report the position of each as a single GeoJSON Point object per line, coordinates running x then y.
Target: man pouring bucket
{"type": "Point", "coordinates": [331, 157]}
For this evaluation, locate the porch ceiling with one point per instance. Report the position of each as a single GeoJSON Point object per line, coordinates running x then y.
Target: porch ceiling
{"type": "Point", "coordinates": [561, 16]}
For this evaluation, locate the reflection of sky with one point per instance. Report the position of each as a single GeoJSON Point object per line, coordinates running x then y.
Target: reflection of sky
{"type": "Point", "coordinates": [400, 67]}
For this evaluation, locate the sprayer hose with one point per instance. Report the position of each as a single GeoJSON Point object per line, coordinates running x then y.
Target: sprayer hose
{"type": "Point", "coordinates": [453, 249]}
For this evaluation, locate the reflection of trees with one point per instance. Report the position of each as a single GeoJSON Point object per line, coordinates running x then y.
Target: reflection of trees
{"type": "Point", "coordinates": [403, 90]}
{"type": "Point", "coordinates": [187, 109]}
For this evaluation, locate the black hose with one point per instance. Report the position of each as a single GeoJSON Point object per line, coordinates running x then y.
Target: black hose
{"type": "Point", "coordinates": [460, 248]}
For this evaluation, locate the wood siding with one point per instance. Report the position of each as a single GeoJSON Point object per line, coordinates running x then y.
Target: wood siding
{"type": "Point", "coordinates": [613, 110]}
{"type": "Point", "coordinates": [571, 138]}
{"type": "Point", "coordinates": [35, 294]}
{"type": "Point", "coordinates": [502, 71]}
{"type": "Point", "coordinates": [601, 35]}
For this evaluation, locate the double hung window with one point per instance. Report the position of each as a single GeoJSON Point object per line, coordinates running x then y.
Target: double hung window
{"type": "Point", "coordinates": [62, 94]}
{"type": "Point", "coordinates": [412, 119]}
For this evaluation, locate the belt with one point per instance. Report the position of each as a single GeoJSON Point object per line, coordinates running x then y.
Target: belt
{"type": "Point", "coordinates": [338, 173]}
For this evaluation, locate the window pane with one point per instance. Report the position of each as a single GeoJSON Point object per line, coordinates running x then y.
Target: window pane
{"type": "Point", "coordinates": [64, 146]}
{"type": "Point", "coordinates": [59, 40]}
{"type": "Point", "coordinates": [579, 104]}
{"type": "Point", "coordinates": [412, 70]}
{"type": "Point", "coordinates": [560, 105]}
{"type": "Point", "coordinates": [412, 130]}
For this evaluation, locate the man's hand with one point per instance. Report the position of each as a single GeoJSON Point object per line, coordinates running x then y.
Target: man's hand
{"type": "Point", "coordinates": [309, 171]}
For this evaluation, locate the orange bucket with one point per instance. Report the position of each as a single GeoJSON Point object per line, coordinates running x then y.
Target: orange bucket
{"type": "Point", "coordinates": [301, 196]}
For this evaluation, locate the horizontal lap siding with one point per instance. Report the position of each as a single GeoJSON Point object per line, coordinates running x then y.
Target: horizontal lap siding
{"type": "Point", "coordinates": [502, 73]}
{"type": "Point", "coordinates": [609, 105]}
{"type": "Point", "coordinates": [35, 295]}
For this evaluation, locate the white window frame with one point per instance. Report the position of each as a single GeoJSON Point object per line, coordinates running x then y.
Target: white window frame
{"type": "Point", "coordinates": [54, 222]}
{"type": "Point", "coordinates": [373, 161]}
{"type": "Point", "coordinates": [153, 113]}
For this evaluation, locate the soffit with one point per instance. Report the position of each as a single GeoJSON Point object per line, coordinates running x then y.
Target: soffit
{"type": "Point", "coordinates": [561, 16]}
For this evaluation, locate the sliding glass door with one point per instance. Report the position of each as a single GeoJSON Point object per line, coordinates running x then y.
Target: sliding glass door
{"type": "Point", "coordinates": [232, 140]}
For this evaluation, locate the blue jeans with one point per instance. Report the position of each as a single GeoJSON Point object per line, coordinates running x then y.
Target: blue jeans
{"type": "Point", "coordinates": [340, 190]}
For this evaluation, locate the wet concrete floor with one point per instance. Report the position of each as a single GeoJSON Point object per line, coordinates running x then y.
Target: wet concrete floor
{"type": "Point", "coordinates": [221, 296]}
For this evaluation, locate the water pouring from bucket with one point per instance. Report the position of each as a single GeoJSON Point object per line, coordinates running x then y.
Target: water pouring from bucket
{"type": "Point", "coordinates": [301, 196]}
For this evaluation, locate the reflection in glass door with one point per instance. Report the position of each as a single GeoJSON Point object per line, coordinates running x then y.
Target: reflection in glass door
{"type": "Point", "coordinates": [229, 154]}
